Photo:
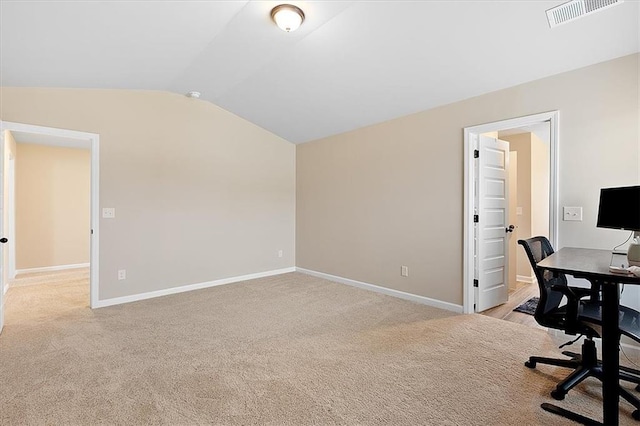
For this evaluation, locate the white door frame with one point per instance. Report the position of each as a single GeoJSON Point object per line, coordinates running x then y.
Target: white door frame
{"type": "Point", "coordinates": [11, 213]}
{"type": "Point", "coordinates": [94, 139]}
{"type": "Point", "coordinates": [469, 197]}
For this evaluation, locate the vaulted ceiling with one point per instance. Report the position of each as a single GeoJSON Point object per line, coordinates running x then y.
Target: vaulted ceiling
{"type": "Point", "coordinates": [350, 64]}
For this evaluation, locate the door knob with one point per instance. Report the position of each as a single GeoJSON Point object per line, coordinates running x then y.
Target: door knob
{"type": "Point", "coordinates": [4, 240]}
{"type": "Point", "coordinates": [510, 228]}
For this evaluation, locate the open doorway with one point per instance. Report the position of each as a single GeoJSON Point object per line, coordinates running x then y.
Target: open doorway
{"type": "Point", "coordinates": [528, 202]}
{"type": "Point", "coordinates": [52, 213]}
{"type": "Point", "coordinates": [43, 144]}
{"type": "Point", "coordinates": [528, 205]}
{"type": "Point", "coordinates": [529, 148]}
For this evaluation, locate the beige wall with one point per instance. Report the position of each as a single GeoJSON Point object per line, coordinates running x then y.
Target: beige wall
{"type": "Point", "coordinates": [392, 194]}
{"type": "Point", "coordinates": [53, 188]}
{"type": "Point", "coordinates": [540, 171]}
{"type": "Point", "coordinates": [200, 194]}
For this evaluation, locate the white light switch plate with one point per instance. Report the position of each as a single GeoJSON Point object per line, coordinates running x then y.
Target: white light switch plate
{"type": "Point", "coordinates": [572, 213]}
{"type": "Point", "coordinates": [108, 213]}
{"type": "Point", "coordinates": [404, 271]}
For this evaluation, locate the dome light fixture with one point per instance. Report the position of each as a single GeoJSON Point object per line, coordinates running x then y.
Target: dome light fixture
{"type": "Point", "coordinates": [287, 16]}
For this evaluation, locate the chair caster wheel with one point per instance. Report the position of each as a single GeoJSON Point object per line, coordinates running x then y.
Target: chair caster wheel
{"type": "Point", "coordinates": [558, 395]}
{"type": "Point", "coordinates": [636, 415]}
{"type": "Point", "coordinates": [532, 364]}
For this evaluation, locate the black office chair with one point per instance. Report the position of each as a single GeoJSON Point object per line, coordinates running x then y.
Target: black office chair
{"type": "Point", "coordinates": [579, 315]}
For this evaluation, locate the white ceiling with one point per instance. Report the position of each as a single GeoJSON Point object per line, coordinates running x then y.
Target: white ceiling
{"type": "Point", "coordinates": [351, 63]}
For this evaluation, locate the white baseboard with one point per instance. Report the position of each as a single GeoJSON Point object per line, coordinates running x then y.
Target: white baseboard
{"type": "Point", "coordinates": [52, 268]}
{"type": "Point", "coordinates": [6, 288]}
{"type": "Point", "coordinates": [389, 292]}
{"type": "Point", "coordinates": [525, 279]}
{"type": "Point", "coordinates": [190, 287]}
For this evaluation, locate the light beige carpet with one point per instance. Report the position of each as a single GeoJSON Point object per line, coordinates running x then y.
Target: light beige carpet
{"type": "Point", "coordinates": [291, 349]}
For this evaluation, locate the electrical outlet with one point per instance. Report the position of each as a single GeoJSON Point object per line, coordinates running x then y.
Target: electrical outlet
{"type": "Point", "coordinates": [404, 271]}
{"type": "Point", "coordinates": [279, 253]}
{"type": "Point", "coordinates": [108, 213]}
{"type": "Point", "coordinates": [122, 274]}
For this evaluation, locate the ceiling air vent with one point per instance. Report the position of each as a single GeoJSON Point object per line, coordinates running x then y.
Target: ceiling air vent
{"type": "Point", "coordinates": [575, 9]}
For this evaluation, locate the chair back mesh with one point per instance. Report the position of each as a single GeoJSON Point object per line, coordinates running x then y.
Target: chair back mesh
{"type": "Point", "coordinates": [538, 248]}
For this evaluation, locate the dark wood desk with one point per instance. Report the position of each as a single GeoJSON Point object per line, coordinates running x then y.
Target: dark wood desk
{"type": "Point", "coordinates": [593, 265]}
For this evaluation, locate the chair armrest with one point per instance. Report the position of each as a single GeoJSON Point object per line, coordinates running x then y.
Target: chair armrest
{"type": "Point", "coordinates": [581, 292]}
{"type": "Point", "coordinates": [594, 293]}
{"type": "Point", "coordinates": [572, 307]}
{"type": "Point", "coordinates": [570, 292]}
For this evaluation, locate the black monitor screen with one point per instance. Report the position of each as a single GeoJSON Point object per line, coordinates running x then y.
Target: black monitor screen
{"type": "Point", "coordinates": [620, 208]}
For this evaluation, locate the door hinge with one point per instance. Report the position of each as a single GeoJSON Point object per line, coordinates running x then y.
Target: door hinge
{"type": "Point", "coordinates": [475, 283]}
{"type": "Point", "coordinates": [476, 218]}
{"type": "Point", "coordinates": [476, 153]}
{"type": "Point", "coordinates": [92, 232]}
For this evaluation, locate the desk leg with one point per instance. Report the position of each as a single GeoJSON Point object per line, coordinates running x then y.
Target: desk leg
{"type": "Point", "coordinates": [610, 354]}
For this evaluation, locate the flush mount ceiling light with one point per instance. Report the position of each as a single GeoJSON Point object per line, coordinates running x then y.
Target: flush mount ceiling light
{"type": "Point", "coordinates": [287, 16]}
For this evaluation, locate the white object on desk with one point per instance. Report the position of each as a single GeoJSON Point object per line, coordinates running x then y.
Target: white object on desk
{"type": "Point", "coordinates": [633, 254]}
{"type": "Point", "coordinates": [619, 263]}
{"type": "Point", "coordinates": [619, 270]}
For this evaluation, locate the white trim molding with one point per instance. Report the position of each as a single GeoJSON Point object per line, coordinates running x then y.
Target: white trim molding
{"type": "Point", "coordinates": [384, 290]}
{"type": "Point", "coordinates": [190, 287]}
{"type": "Point", "coordinates": [53, 268]}
{"type": "Point", "coordinates": [525, 279]}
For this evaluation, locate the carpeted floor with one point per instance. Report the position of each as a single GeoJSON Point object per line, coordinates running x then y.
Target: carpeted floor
{"type": "Point", "coordinates": [291, 349]}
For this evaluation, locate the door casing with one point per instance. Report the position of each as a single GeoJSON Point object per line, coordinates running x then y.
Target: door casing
{"type": "Point", "coordinates": [470, 143]}
{"type": "Point", "coordinates": [94, 140]}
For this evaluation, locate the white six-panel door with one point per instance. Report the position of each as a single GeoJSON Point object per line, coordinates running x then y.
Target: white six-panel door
{"type": "Point", "coordinates": [2, 213]}
{"type": "Point", "coordinates": [493, 223]}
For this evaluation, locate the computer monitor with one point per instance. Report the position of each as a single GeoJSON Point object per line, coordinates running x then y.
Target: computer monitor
{"type": "Point", "coordinates": [620, 208]}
